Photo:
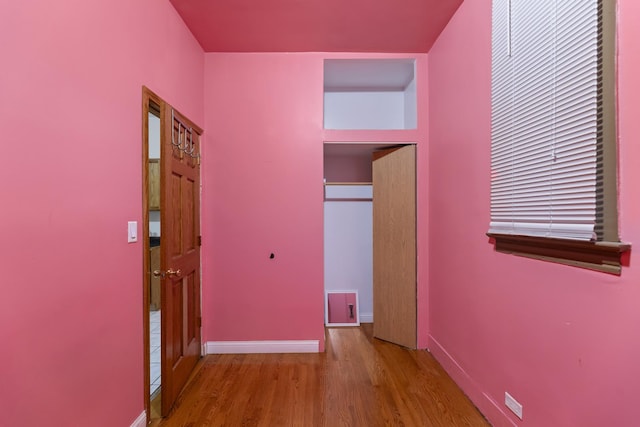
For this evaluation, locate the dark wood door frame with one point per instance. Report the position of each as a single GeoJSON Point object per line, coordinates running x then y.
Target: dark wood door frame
{"type": "Point", "coordinates": [150, 102]}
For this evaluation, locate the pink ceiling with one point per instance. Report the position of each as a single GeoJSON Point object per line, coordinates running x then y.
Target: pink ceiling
{"type": "Point", "coordinates": [316, 25]}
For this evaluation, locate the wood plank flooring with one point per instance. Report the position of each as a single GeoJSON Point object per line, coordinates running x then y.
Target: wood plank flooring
{"type": "Point", "coordinates": [358, 381]}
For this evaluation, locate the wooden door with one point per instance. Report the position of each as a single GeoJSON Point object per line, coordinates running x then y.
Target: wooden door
{"type": "Point", "coordinates": [394, 245]}
{"type": "Point", "coordinates": [180, 253]}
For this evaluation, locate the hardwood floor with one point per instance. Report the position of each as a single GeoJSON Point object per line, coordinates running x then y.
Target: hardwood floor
{"type": "Point", "coordinates": [358, 381]}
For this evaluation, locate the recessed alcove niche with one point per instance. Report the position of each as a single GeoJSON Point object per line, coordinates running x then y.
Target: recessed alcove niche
{"type": "Point", "coordinates": [375, 94]}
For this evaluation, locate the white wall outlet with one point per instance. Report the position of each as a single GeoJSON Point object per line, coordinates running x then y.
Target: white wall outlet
{"type": "Point", "coordinates": [132, 231]}
{"type": "Point", "coordinates": [513, 405]}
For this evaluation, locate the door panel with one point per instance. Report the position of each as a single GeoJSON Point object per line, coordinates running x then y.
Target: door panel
{"type": "Point", "coordinates": [180, 254]}
{"type": "Point", "coordinates": [394, 245]}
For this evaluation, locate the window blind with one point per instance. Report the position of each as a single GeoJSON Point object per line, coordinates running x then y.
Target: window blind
{"type": "Point", "coordinates": [545, 118]}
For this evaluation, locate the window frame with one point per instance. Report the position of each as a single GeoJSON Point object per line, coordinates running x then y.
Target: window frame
{"type": "Point", "coordinates": [606, 254]}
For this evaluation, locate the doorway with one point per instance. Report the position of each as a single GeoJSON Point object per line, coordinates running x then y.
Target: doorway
{"type": "Point", "coordinates": [153, 255]}
{"type": "Point", "coordinates": [171, 261]}
{"type": "Point", "coordinates": [367, 188]}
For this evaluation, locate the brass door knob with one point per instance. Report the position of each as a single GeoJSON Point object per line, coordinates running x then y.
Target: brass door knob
{"type": "Point", "coordinates": [171, 272]}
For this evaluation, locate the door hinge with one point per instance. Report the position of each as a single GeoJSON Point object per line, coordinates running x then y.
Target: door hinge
{"type": "Point", "coordinates": [199, 240]}
{"type": "Point", "coordinates": [199, 321]}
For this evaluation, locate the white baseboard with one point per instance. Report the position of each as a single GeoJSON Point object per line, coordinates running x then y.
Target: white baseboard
{"type": "Point", "coordinates": [366, 317]}
{"type": "Point", "coordinates": [248, 347]}
{"type": "Point", "coordinates": [141, 421]}
{"type": "Point", "coordinates": [489, 407]}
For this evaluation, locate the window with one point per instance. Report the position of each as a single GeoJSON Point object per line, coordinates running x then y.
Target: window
{"type": "Point", "coordinates": [553, 132]}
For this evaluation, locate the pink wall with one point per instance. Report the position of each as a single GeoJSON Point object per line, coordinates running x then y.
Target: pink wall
{"type": "Point", "coordinates": [262, 193]}
{"type": "Point", "coordinates": [561, 340]}
{"type": "Point", "coordinates": [347, 168]}
{"type": "Point", "coordinates": [70, 179]}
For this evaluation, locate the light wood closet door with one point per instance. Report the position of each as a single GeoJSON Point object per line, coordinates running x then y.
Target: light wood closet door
{"type": "Point", "coordinates": [394, 245]}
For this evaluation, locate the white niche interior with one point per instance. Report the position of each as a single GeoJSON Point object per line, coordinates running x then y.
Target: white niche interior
{"type": "Point", "coordinates": [374, 94]}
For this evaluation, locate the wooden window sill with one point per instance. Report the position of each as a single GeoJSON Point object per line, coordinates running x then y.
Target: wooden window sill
{"type": "Point", "coordinates": [600, 256]}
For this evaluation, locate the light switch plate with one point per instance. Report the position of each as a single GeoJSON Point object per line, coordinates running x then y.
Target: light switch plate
{"type": "Point", "coordinates": [132, 231]}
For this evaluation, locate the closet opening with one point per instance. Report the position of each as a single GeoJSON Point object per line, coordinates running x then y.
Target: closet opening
{"type": "Point", "coordinates": [370, 238]}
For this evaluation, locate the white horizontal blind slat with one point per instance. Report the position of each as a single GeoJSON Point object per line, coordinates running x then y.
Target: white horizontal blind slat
{"type": "Point", "coordinates": [544, 118]}
{"type": "Point", "coordinates": [575, 166]}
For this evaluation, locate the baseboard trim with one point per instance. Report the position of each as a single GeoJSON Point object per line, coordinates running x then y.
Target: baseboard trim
{"type": "Point", "coordinates": [491, 409]}
{"type": "Point", "coordinates": [366, 317]}
{"type": "Point", "coordinates": [141, 421]}
{"type": "Point", "coordinates": [249, 347]}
